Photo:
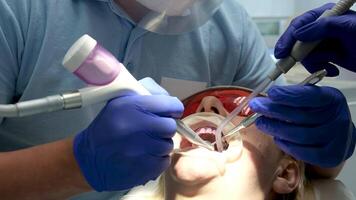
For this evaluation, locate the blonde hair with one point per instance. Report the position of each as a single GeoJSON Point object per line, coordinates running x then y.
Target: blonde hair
{"type": "Point", "coordinates": [156, 190]}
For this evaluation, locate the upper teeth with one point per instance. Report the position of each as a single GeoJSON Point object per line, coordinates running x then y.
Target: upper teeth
{"type": "Point", "coordinates": [206, 130]}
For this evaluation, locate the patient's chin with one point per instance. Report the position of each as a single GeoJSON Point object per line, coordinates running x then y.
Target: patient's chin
{"type": "Point", "coordinates": [197, 166]}
{"type": "Point", "coordinates": [192, 165]}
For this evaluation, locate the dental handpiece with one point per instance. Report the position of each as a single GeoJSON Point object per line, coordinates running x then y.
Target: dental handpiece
{"type": "Point", "coordinates": [107, 79]}
{"type": "Point", "coordinates": [299, 51]}
{"type": "Point", "coordinates": [248, 121]}
{"type": "Point", "coordinates": [123, 81]}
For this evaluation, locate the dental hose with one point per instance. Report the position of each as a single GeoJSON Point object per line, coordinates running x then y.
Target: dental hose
{"type": "Point", "coordinates": [299, 52]}
{"type": "Point", "coordinates": [46, 104]}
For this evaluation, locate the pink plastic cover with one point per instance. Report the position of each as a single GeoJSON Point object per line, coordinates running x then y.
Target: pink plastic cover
{"type": "Point", "coordinates": [99, 68]}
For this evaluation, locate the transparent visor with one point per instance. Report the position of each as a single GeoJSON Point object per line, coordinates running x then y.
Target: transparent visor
{"type": "Point", "coordinates": [176, 16]}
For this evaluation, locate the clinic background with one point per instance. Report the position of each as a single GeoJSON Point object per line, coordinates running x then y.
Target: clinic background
{"type": "Point", "coordinates": [272, 17]}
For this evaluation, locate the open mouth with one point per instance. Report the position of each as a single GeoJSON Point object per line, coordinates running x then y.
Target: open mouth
{"type": "Point", "coordinates": [205, 130]}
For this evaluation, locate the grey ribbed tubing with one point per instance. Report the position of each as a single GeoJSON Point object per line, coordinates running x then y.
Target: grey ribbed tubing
{"type": "Point", "coordinates": [42, 105]}
{"type": "Point", "coordinates": [9, 110]}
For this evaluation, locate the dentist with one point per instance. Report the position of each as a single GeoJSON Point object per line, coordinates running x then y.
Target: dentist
{"type": "Point", "coordinates": [106, 149]}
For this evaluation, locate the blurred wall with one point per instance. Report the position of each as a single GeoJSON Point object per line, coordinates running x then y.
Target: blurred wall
{"type": "Point", "coordinates": [269, 8]}
{"type": "Point", "coordinates": [304, 5]}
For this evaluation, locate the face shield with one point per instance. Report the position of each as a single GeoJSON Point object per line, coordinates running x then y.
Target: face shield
{"type": "Point", "coordinates": [177, 16]}
{"type": "Point", "coordinates": [218, 100]}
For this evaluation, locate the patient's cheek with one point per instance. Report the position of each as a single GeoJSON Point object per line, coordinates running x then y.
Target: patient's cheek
{"type": "Point", "coordinates": [198, 165]}
{"type": "Point", "coordinates": [233, 153]}
{"type": "Point", "coordinates": [260, 149]}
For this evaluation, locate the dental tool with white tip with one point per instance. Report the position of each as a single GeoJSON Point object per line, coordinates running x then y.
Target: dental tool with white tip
{"type": "Point", "coordinates": [299, 52]}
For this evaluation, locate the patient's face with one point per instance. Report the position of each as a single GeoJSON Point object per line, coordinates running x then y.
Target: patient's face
{"type": "Point", "coordinates": [237, 168]}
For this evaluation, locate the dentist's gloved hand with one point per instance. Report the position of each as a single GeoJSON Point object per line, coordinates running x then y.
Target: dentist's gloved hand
{"type": "Point", "coordinates": [129, 142]}
{"type": "Point", "coordinates": [338, 40]}
{"type": "Point", "coordinates": [311, 123]}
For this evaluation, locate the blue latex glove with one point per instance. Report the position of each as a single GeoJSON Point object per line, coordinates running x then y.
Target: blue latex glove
{"type": "Point", "coordinates": [311, 123]}
{"type": "Point", "coordinates": [129, 142]}
{"type": "Point", "coordinates": [338, 40]}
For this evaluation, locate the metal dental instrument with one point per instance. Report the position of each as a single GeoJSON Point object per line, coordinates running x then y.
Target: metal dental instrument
{"type": "Point", "coordinates": [299, 52]}
{"type": "Point", "coordinates": [191, 136]}
{"type": "Point", "coordinates": [248, 121]}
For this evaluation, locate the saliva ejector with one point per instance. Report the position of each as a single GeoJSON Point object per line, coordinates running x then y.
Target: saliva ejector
{"type": "Point", "coordinates": [299, 52]}
{"type": "Point", "coordinates": [107, 78]}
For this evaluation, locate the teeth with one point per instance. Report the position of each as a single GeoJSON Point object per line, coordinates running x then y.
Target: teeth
{"type": "Point", "coordinates": [206, 130]}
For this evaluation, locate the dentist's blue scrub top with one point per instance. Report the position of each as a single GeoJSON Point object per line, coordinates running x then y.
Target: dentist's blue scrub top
{"type": "Point", "coordinates": [35, 35]}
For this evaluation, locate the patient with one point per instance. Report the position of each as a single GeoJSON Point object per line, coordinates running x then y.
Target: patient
{"type": "Point", "coordinates": [252, 167]}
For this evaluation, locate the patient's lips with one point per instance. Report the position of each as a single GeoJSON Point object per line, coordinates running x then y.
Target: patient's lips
{"type": "Point", "coordinates": [206, 130]}
{"type": "Point", "coordinates": [195, 165]}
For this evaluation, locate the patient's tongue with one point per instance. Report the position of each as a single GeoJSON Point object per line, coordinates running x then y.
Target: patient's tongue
{"type": "Point", "coordinates": [208, 137]}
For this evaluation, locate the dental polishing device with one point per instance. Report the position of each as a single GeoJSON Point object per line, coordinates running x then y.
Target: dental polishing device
{"type": "Point", "coordinates": [107, 78]}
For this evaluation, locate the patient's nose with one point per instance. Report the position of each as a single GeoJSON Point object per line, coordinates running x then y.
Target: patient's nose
{"type": "Point", "coordinates": [212, 104]}
{"type": "Point", "coordinates": [210, 109]}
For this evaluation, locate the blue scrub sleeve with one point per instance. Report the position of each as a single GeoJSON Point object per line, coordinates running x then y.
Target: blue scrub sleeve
{"type": "Point", "coordinates": [11, 45]}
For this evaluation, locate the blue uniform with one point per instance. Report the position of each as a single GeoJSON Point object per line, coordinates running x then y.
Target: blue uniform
{"type": "Point", "coordinates": [35, 35]}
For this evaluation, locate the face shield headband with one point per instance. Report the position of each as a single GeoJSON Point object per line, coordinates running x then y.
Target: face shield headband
{"type": "Point", "coordinates": [177, 16]}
